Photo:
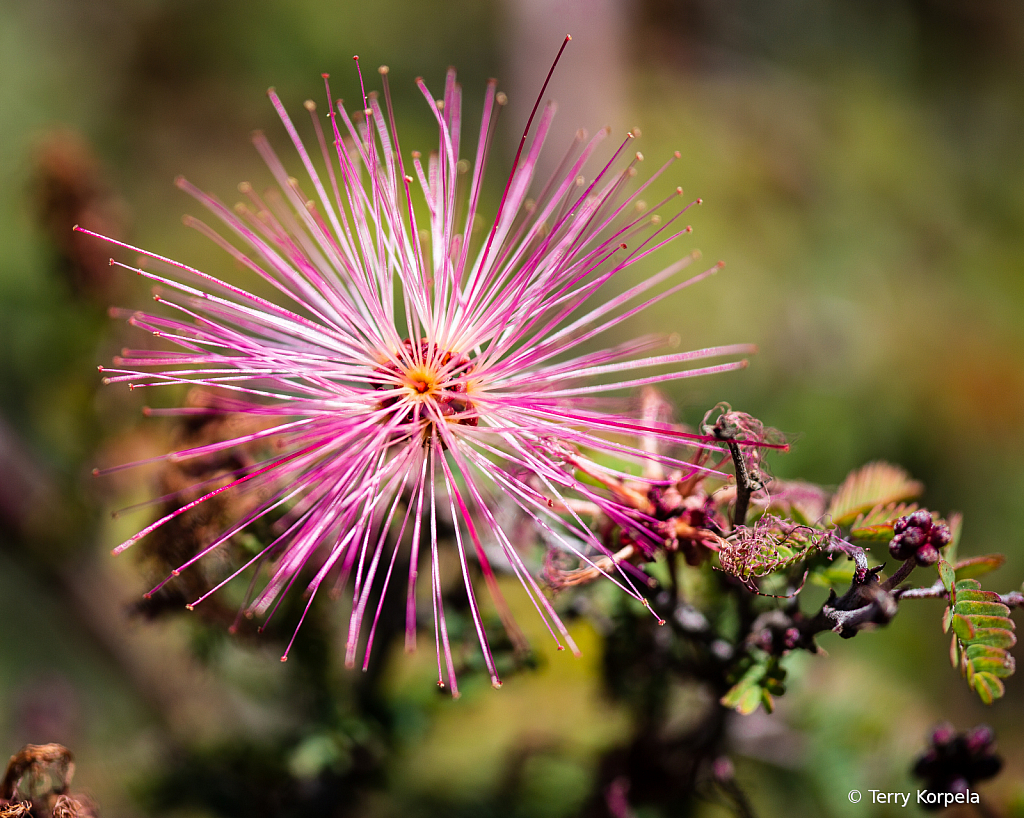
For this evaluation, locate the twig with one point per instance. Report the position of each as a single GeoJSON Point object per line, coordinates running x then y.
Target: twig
{"type": "Point", "coordinates": [900, 574]}
{"type": "Point", "coordinates": [744, 485]}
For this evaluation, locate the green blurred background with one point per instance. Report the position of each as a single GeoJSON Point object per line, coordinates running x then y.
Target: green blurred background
{"type": "Point", "coordinates": [862, 169]}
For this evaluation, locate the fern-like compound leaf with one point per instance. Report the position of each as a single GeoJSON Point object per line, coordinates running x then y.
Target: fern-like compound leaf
{"type": "Point", "coordinates": [983, 633]}
{"type": "Point", "coordinates": [877, 524]}
{"type": "Point", "coordinates": [876, 484]}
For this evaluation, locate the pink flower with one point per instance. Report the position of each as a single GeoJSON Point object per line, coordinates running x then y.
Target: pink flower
{"type": "Point", "coordinates": [411, 367]}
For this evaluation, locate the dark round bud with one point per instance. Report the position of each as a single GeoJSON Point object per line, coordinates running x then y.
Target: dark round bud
{"type": "Point", "coordinates": [723, 769]}
{"type": "Point", "coordinates": [914, 538]}
{"type": "Point", "coordinates": [919, 519]}
{"type": "Point", "coordinates": [927, 555]}
{"type": "Point", "coordinates": [940, 535]}
{"type": "Point", "coordinates": [980, 739]}
{"type": "Point", "coordinates": [943, 734]}
{"type": "Point", "coordinates": [792, 638]}
{"type": "Point", "coordinates": [899, 549]}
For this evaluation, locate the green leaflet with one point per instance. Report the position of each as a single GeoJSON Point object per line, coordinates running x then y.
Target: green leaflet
{"type": "Point", "coordinates": [997, 637]}
{"type": "Point", "coordinates": [994, 665]}
{"type": "Point", "coordinates": [963, 628]}
{"type": "Point", "coordinates": [989, 622]}
{"type": "Point", "coordinates": [970, 607]}
{"type": "Point", "coordinates": [948, 577]}
{"type": "Point", "coordinates": [988, 687]}
{"type": "Point", "coordinates": [983, 651]}
{"type": "Point", "coordinates": [745, 695]}
{"type": "Point", "coordinates": [749, 699]}
{"type": "Point", "coordinates": [970, 589]}
{"type": "Point", "coordinates": [764, 677]}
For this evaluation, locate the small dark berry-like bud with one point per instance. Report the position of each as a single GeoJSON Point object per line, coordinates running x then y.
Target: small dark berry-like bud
{"type": "Point", "coordinates": [956, 762]}
{"type": "Point", "coordinates": [899, 549]}
{"type": "Point", "coordinates": [723, 769]}
{"type": "Point", "coordinates": [914, 538]}
{"type": "Point", "coordinates": [919, 519]}
{"type": "Point", "coordinates": [943, 734]}
{"type": "Point", "coordinates": [980, 739]}
{"type": "Point", "coordinates": [912, 533]}
{"type": "Point", "coordinates": [940, 535]}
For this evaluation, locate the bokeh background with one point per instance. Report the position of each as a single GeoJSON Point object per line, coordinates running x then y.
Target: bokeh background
{"type": "Point", "coordinates": [862, 169]}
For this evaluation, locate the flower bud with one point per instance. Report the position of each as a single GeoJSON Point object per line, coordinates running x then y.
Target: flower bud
{"type": "Point", "coordinates": [899, 547]}
{"type": "Point", "coordinates": [980, 739]}
{"type": "Point", "coordinates": [943, 734]}
{"type": "Point", "coordinates": [913, 538]}
{"type": "Point", "coordinates": [919, 519]}
{"type": "Point", "coordinates": [940, 535]}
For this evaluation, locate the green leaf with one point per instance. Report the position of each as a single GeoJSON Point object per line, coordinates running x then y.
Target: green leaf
{"type": "Point", "coordinates": [947, 618]}
{"type": "Point", "coordinates": [876, 484]}
{"type": "Point", "coordinates": [986, 622]}
{"type": "Point", "coordinates": [977, 566]}
{"type": "Point", "coordinates": [998, 666]}
{"type": "Point", "coordinates": [970, 585]}
{"type": "Point", "coordinates": [983, 633]}
{"type": "Point", "coordinates": [954, 651]}
{"type": "Point", "coordinates": [982, 651]}
{"type": "Point", "coordinates": [962, 627]}
{"type": "Point", "coordinates": [749, 700]}
{"type": "Point", "coordinates": [970, 607]}
{"type": "Point", "coordinates": [983, 597]}
{"type": "Point", "coordinates": [740, 692]}
{"type": "Point", "coordinates": [761, 679]}
{"type": "Point", "coordinates": [988, 687]}
{"type": "Point", "coordinates": [948, 577]}
{"type": "Point", "coordinates": [997, 637]}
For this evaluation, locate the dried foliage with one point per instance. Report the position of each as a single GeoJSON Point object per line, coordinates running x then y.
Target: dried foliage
{"type": "Point", "coordinates": [71, 189]}
{"type": "Point", "coordinates": [183, 480]}
{"type": "Point", "coordinates": [36, 782]}
{"type": "Point", "coordinates": [771, 544]}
